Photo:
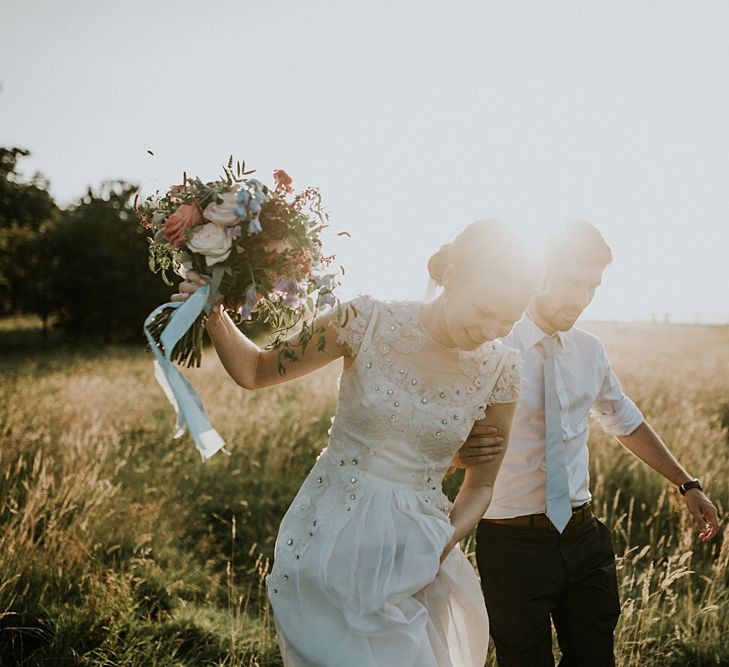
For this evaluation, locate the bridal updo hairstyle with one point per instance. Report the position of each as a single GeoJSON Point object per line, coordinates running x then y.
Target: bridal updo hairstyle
{"type": "Point", "coordinates": [489, 252]}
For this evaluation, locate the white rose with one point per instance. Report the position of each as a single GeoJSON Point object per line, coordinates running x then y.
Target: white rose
{"type": "Point", "coordinates": [223, 214]}
{"type": "Point", "coordinates": [211, 241]}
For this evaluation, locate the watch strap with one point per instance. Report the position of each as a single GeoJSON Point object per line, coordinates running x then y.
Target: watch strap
{"type": "Point", "coordinates": [693, 484]}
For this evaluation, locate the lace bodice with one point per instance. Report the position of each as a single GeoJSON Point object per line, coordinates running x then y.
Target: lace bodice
{"type": "Point", "coordinates": [406, 402]}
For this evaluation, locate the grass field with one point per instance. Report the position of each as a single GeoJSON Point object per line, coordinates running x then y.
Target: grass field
{"type": "Point", "coordinates": [119, 547]}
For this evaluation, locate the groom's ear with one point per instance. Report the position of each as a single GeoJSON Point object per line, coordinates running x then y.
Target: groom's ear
{"type": "Point", "coordinates": [549, 275]}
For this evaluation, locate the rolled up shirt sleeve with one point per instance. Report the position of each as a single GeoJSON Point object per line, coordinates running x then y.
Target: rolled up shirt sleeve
{"type": "Point", "coordinates": [615, 411]}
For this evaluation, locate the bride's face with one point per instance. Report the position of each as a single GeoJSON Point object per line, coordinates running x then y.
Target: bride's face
{"type": "Point", "coordinates": [484, 310]}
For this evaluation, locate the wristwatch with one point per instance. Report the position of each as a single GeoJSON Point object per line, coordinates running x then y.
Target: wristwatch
{"type": "Point", "coordinates": [693, 484]}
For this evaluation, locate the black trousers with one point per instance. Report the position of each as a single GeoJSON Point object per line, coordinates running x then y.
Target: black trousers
{"type": "Point", "coordinates": [530, 575]}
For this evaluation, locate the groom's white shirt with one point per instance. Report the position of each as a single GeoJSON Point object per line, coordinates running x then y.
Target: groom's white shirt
{"type": "Point", "coordinates": [586, 384]}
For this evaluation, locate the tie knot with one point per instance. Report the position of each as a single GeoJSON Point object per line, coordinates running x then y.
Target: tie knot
{"type": "Point", "coordinates": [548, 344]}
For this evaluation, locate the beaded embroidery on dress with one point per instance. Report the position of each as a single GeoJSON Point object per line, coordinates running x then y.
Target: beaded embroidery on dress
{"type": "Point", "coordinates": [356, 578]}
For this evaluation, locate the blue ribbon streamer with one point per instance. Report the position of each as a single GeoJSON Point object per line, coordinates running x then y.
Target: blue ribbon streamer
{"type": "Point", "coordinates": [187, 404]}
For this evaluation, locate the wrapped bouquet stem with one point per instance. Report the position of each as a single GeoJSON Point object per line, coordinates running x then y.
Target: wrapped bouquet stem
{"type": "Point", "coordinates": [259, 249]}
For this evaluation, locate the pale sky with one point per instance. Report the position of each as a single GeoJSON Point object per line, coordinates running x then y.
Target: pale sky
{"type": "Point", "coordinates": [414, 117]}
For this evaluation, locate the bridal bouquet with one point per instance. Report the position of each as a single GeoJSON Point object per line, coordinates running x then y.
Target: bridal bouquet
{"type": "Point", "coordinates": [260, 251]}
{"type": "Point", "coordinates": [258, 247]}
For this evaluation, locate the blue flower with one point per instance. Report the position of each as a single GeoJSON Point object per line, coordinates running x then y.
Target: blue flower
{"type": "Point", "coordinates": [254, 207]}
{"type": "Point", "coordinates": [243, 197]}
{"type": "Point", "coordinates": [327, 299]}
{"type": "Point", "coordinates": [255, 226]}
{"type": "Point", "coordinates": [326, 281]}
{"type": "Point", "coordinates": [233, 232]}
{"type": "Point", "coordinates": [241, 212]}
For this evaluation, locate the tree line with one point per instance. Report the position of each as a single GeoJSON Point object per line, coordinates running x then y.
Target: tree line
{"type": "Point", "coordinates": [82, 268]}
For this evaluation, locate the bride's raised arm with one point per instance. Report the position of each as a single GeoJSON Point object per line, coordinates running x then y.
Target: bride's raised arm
{"type": "Point", "coordinates": [253, 367]}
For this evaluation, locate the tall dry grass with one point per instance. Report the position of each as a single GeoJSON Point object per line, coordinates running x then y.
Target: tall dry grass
{"type": "Point", "coordinates": [117, 546]}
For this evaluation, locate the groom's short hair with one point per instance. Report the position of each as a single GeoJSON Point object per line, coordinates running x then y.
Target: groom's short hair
{"type": "Point", "coordinates": [577, 240]}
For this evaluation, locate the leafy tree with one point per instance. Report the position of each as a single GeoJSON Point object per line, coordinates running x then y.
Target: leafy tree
{"type": "Point", "coordinates": [104, 287]}
{"type": "Point", "coordinates": [28, 216]}
{"type": "Point", "coordinates": [22, 204]}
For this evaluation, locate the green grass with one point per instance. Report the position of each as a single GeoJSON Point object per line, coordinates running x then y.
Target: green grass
{"type": "Point", "coordinates": [119, 547]}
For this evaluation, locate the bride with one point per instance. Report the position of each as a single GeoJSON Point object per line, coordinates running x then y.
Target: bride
{"type": "Point", "coordinates": [368, 571]}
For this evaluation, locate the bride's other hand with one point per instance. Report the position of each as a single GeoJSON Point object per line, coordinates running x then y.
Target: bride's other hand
{"type": "Point", "coordinates": [188, 286]}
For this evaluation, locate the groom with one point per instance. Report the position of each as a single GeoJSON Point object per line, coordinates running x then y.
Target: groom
{"type": "Point", "coordinates": [540, 551]}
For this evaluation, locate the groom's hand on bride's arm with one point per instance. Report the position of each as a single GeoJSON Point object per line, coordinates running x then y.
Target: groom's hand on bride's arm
{"type": "Point", "coordinates": [483, 444]}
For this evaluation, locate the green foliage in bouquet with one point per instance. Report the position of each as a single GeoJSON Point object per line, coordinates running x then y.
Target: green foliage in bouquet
{"type": "Point", "coordinates": [258, 247]}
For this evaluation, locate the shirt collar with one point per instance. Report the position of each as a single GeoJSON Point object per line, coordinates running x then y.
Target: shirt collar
{"type": "Point", "coordinates": [529, 333]}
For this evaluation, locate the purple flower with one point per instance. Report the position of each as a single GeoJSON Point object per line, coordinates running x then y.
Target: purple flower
{"type": "Point", "coordinates": [288, 292]}
{"type": "Point", "coordinates": [283, 286]}
{"type": "Point", "coordinates": [292, 300]}
{"type": "Point", "coordinates": [250, 303]}
{"type": "Point", "coordinates": [233, 232]}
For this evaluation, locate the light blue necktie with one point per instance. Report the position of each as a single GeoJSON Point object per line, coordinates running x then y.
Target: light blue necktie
{"type": "Point", "coordinates": [187, 404]}
{"type": "Point", "coordinates": [559, 505]}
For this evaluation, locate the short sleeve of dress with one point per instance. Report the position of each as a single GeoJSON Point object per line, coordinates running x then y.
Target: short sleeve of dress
{"type": "Point", "coordinates": [351, 322]}
{"type": "Point", "coordinates": [506, 389]}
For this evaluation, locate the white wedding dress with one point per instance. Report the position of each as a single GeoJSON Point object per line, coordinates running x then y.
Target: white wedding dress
{"type": "Point", "coordinates": [357, 580]}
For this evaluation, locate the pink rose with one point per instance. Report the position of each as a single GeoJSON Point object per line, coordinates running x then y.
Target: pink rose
{"type": "Point", "coordinates": [283, 180]}
{"type": "Point", "coordinates": [175, 227]}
